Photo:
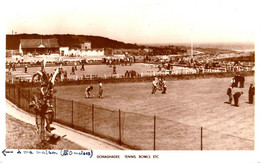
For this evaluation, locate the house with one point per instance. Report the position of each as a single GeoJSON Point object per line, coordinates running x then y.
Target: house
{"type": "Point", "coordinates": [93, 52]}
{"type": "Point", "coordinates": [64, 51]}
{"type": "Point", "coordinates": [39, 46]}
{"type": "Point", "coordinates": [86, 45]}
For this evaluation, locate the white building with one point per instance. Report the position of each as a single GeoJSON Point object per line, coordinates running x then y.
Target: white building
{"type": "Point", "coordinates": [64, 51]}
{"type": "Point", "coordinates": [93, 52]}
{"type": "Point", "coordinates": [86, 45]}
{"type": "Point", "coordinates": [74, 52]}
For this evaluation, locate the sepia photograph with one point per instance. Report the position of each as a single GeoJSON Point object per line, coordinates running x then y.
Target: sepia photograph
{"type": "Point", "coordinates": [129, 80]}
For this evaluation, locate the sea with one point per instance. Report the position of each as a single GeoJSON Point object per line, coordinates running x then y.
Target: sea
{"type": "Point", "coordinates": [236, 46]}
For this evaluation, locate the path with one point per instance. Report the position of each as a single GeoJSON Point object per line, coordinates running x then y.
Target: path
{"type": "Point", "coordinates": [83, 139]}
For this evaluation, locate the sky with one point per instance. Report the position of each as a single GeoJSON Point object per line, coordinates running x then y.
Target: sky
{"type": "Point", "coordinates": [137, 21]}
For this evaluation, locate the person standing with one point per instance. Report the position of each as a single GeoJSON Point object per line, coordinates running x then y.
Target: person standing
{"type": "Point", "coordinates": [163, 86]}
{"type": "Point", "coordinates": [114, 69]}
{"type": "Point", "coordinates": [14, 69]}
{"type": "Point", "coordinates": [242, 81]}
{"type": "Point", "coordinates": [251, 93]}
{"type": "Point", "coordinates": [236, 98]}
{"type": "Point", "coordinates": [154, 86]}
{"type": "Point", "coordinates": [75, 65]}
{"type": "Point", "coordinates": [237, 77]}
{"type": "Point", "coordinates": [25, 69]}
{"type": "Point", "coordinates": [229, 93]}
{"type": "Point", "coordinates": [233, 82]}
{"type": "Point", "coordinates": [72, 70]}
{"type": "Point", "coordinates": [82, 66]}
{"type": "Point", "coordinates": [100, 91]}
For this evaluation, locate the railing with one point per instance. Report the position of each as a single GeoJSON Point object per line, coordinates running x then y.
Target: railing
{"type": "Point", "coordinates": [180, 71]}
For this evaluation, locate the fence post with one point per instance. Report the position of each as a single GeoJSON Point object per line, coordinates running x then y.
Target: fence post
{"type": "Point", "coordinates": [119, 126]}
{"type": "Point", "coordinates": [14, 101]}
{"type": "Point", "coordinates": [72, 113]}
{"type": "Point", "coordinates": [31, 93]}
{"type": "Point", "coordinates": [201, 138]}
{"type": "Point", "coordinates": [19, 100]}
{"type": "Point", "coordinates": [55, 103]}
{"type": "Point", "coordinates": [154, 133]}
{"type": "Point", "coordinates": [93, 118]}
{"type": "Point", "coordinates": [29, 98]}
{"type": "Point", "coordinates": [9, 92]}
{"type": "Point", "coordinates": [6, 91]}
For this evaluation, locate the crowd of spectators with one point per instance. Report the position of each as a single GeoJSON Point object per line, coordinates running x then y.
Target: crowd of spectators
{"type": "Point", "coordinates": [119, 61]}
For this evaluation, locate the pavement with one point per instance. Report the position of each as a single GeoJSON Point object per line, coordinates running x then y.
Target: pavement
{"type": "Point", "coordinates": [85, 140]}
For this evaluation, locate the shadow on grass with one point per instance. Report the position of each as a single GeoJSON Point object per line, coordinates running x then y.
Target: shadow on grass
{"type": "Point", "coordinates": [226, 102]}
{"type": "Point", "coordinates": [48, 144]}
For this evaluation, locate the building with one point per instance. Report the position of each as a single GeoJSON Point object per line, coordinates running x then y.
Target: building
{"type": "Point", "coordinates": [64, 51]}
{"type": "Point", "coordinates": [93, 52]}
{"type": "Point", "coordinates": [39, 46]}
{"type": "Point", "coordinates": [86, 45]}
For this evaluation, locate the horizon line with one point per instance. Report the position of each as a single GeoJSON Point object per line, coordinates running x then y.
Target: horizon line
{"type": "Point", "coordinates": [158, 43]}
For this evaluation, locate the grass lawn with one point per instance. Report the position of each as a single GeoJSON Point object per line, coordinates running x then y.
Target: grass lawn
{"type": "Point", "coordinates": [187, 106]}
{"type": "Point", "coordinates": [20, 135]}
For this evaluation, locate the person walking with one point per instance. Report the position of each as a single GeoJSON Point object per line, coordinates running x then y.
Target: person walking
{"type": "Point", "coordinates": [251, 93]}
{"type": "Point", "coordinates": [236, 98]}
{"type": "Point", "coordinates": [229, 93]}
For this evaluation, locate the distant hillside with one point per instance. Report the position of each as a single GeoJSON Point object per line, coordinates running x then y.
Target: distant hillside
{"type": "Point", "coordinates": [69, 40]}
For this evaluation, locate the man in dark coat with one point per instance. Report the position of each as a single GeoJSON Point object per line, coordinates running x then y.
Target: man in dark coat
{"type": "Point", "coordinates": [82, 66]}
{"type": "Point", "coordinates": [242, 81]}
{"type": "Point", "coordinates": [164, 88]}
{"type": "Point", "coordinates": [229, 93]}
{"type": "Point", "coordinates": [236, 98]}
{"type": "Point", "coordinates": [251, 93]}
{"type": "Point", "coordinates": [72, 70]}
{"type": "Point", "coordinates": [114, 69]}
{"type": "Point", "coordinates": [25, 69]}
{"type": "Point", "coordinates": [237, 80]}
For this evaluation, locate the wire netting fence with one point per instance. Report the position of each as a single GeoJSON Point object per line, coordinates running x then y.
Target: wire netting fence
{"type": "Point", "coordinates": [133, 130]}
